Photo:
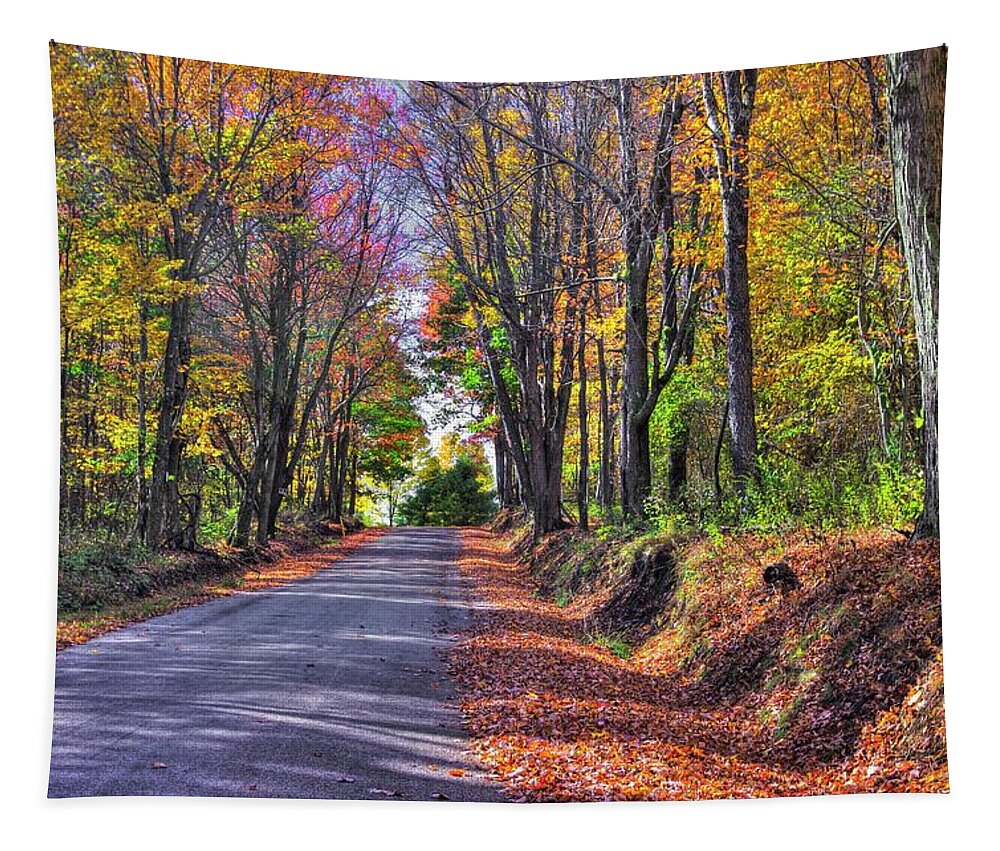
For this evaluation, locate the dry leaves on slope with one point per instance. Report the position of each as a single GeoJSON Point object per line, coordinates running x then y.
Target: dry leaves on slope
{"type": "Point", "coordinates": [559, 720]}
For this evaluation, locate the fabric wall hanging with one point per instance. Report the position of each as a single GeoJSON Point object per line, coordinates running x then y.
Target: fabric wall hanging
{"type": "Point", "coordinates": [528, 442]}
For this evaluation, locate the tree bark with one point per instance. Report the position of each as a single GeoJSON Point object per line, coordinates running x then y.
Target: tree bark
{"type": "Point", "coordinates": [141, 487]}
{"type": "Point", "coordinates": [916, 130]}
{"type": "Point", "coordinates": [164, 528]}
{"type": "Point", "coordinates": [732, 154]}
{"type": "Point", "coordinates": [605, 473]}
{"type": "Point", "coordinates": [583, 491]}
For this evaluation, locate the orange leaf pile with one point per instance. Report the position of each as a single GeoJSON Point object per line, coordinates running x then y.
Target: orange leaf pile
{"type": "Point", "coordinates": [761, 712]}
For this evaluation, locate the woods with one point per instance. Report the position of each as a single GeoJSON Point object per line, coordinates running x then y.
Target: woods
{"type": "Point", "coordinates": [230, 266]}
{"type": "Point", "coordinates": [727, 255]}
{"type": "Point", "coordinates": [668, 344]}
{"type": "Point", "coordinates": [707, 300]}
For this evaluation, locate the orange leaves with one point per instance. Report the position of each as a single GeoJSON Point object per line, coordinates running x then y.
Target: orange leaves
{"type": "Point", "coordinates": [558, 720]}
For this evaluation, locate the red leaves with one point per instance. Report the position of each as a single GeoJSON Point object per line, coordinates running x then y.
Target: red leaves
{"type": "Point", "coordinates": [558, 720]}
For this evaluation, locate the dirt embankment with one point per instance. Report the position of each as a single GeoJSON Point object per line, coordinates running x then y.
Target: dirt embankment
{"type": "Point", "coordinates": [673, 669]}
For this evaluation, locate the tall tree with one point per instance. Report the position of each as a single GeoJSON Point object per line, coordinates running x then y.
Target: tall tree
{"type": "Point", "coordinates": [647, 213]}
{"type": "Point", "coordinates": [731, 137]}
{"type": "Point", "coordinates": [499, 207]}
{"type": "Point", "coordinates": [916, 88]}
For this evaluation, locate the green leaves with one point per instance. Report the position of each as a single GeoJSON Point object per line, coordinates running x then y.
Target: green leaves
{"type": "Point", "coordinates": [450, 496]}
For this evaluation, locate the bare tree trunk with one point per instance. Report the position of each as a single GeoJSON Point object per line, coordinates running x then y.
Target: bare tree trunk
{"type": "Point", "coordinates": [319, 501]}
{"type": "Point", "coordinates": [141, 487]}
{"type": "Point", "coordinates": [352, 498]}
{"type": "Point", "coordinates": [583, 492]}
{"type": "Point", "coordinates": [636, 464]}
{"type": "Point", "coordinates": [505, 471]}
{"type": "Point", "coordinates": [605, 473]}
{"type": "Point", "coordinates": [164, 528]}
{"type": "Point", "coordinates": [717, 458]}
{"type": "Point", "coordinates": [916, 130]}
{"type": "Point", "coordinates": [677, 476]}
{"type": "Point", "coordinates": [643, 220]}
{"type": "Point", "coordinates": [731, 150]}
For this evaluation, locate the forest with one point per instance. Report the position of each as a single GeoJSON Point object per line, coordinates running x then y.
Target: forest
{"type": "Point", "coordinates": [697, 301]}
{"type": "Point", "coordinates": [665, 347]}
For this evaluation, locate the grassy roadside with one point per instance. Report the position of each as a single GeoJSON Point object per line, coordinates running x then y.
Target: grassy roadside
{"type": "Point", "coordinates": [136, 590]}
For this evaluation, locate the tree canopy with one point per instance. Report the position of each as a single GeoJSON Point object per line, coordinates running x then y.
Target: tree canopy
{"type": "Point", "coordinates": [655, 299]}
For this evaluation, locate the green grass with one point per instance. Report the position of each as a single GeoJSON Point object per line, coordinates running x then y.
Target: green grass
{"type": "Point", "coordinates": [615, 643]}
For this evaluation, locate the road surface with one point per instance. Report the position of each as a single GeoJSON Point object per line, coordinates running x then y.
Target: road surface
{"type": "Point", "coordinates": [329, 687]}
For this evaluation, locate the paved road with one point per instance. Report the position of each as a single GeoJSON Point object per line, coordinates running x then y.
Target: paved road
{"type": "Point", "coordinates": [291, 692]}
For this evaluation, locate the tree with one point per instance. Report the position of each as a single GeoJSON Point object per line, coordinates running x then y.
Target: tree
{"type": "Point", "coordinates": [916, 132]}
{"type": "Point", "coordinates": [503, 212]}
{"type": "Point", "coordinates": [731, 144]}
{"type": "Point", "coordinates": [647, 214]}
{"type": "Point", "coordinates": [240, 251]}
{"type": "Point", "coordinates": [230, 249]}
{"type": "Point", "coordinates": [450, 490]}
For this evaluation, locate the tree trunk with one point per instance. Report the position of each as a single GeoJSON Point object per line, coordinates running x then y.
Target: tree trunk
{"type": "Point", "coordinates": [352, 497]}
{"type": "Point", "coordinates": [641, 225]}
{"type": "Point", "coordinates": [916, 129]}
{"type": "Point", "coordinates": [505, 471]}
{"type": "Point", "coordinates": [141, 487]}
{"type": "Point", "coordinates": [164, 525]}
{"type": "Point", "coordinates": [677, 476]}
{"type": "Point", "coordinates": [605, 473]}
{"type": "Point", "coordinates": [319, 501]}
{"type": "Point", "coordinates": [636, 470]}
{"type": "Point", "coordinates": [732, 149]}
{"type": "Point", "coordinates": [583, 494]}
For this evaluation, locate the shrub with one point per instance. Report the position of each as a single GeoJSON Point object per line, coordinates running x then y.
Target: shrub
{"type": "Point", "coordinates": [95, 572]}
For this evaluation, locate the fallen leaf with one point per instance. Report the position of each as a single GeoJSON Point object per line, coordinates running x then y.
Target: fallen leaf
{"type": "Point", "coordinates": [387, 793]}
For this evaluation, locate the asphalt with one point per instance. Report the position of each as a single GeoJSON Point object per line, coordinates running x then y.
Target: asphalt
{"type": "Point", "coordinates": [332, 686]}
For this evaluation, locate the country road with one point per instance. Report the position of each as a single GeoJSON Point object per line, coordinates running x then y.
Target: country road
{"type": "Point", "coordinates": [329, 687]}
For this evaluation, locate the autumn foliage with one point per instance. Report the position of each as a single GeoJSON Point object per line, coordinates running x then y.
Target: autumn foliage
{"type": "Point", "coordinates": [670, 306]}
{"type": "Point", "coordinates": [832, 688]}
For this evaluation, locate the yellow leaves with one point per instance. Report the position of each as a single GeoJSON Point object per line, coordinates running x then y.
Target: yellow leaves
{"type": "Point", "coordinates": [610, 326]}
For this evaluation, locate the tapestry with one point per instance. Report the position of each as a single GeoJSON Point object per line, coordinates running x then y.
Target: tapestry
{"type": "Point", "coordinates": [498, 442]}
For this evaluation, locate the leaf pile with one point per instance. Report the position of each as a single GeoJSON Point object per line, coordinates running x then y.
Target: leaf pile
{"type": "Point", "coordinates": [740, 693]}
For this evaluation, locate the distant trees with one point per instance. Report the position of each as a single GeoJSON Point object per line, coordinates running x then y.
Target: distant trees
{"type": "Point", "coordinates": [450, 490]}
{"type": "Point", "coordinates": [916, 132]}
{"type": "Point", "coordinates": [512, 226]}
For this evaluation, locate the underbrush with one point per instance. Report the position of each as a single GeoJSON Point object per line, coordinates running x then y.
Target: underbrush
{"type": "Point", "coordinates": [840, 495]}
